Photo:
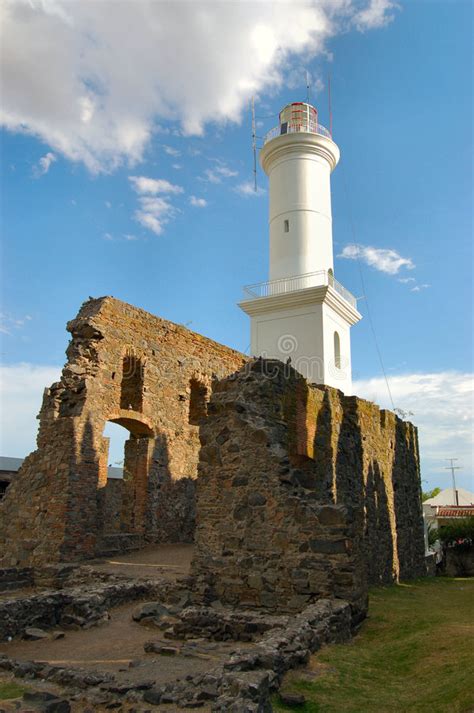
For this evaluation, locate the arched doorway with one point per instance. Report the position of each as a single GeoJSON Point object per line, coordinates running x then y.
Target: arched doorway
{"type": "Point", "coordinates": [123, 488]}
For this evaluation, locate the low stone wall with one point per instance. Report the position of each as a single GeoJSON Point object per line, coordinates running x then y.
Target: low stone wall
{"type": "Point", "coordinates": [248, 678]}
{"type": "Point", "coordinates": [73, 607]}
{"type": "Point", "coordinates": [16, 578]}
{"type": "Point", "coordinates": [55, 576]}
{"type": "Point", "coordinates": [244, 681]}
{"type": "Point", "coordinates": [459, 561]}
{"type": "Point", "coordinates": [223, 624]}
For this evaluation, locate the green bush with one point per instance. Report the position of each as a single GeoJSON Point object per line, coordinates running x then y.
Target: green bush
{"type": "Point", "coordinates": [433, 535]}
{"type": "Point", "coordinates": [457, 534]}
{"type": "Point", "coordinates": [430, 494]}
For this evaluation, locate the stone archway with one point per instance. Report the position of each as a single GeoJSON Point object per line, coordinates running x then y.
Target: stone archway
{"type": "Point", "coordinates": [124, 502]}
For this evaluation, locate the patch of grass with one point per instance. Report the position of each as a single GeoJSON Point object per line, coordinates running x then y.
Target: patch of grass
{"type": "Point", "coordinates": [415, 654]}
{"type": "Point", "coordinates": [10, 690]}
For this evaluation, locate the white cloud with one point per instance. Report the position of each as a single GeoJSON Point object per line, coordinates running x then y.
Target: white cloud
{"type": "Point", "coordinates": [418, 288]}
{"type": "Point", "coordinates": [216, 174]}
{"type": "Point", "coordinates": [198, 202]}
{"type": "Point", "coordinates": [144, 185]}
{"type": "Point", "coordinates": [154, 211]}
{"type": "Point", "coordinates": [443, 409]}
{"type": "Point", "coordinates": [21, 392]}
{"type": "Point", "coordinates": [8, 322]}
{"type": "Point", "coordinates": [128, 237]}
{"type": "Point", "coordinates": [406, 280]}
{"type": "Point", "coordinates": [382, 259]}
{"type": "Point", "coordinates": [375, 14]}
{"type": "Point", "coordinates": [108, 204]}
{"type": "Point", "coordinates": [43, 165]}
{"type": "Point", "coordinates": [171, 151]}
{"type": "Point", "coordinates": [94, 85]}
{"type": "Point", "coordinates": [247, 189]}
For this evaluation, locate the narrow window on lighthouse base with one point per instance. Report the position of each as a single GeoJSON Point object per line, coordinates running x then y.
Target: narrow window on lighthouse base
{"type": "Point", "coordinates": [337, 350]}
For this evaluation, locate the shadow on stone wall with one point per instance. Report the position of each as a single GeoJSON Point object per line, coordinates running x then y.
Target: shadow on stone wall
{"type": "Point", "coordinates": [172, 506]}
{"type": "Point", "coordinates": [323, 452]}
{"type": "Point", "coordinates": [378, 538]}
{"type": "Point", "coordinates": [407, 502]}
{"type": "Point", "coordinates": [81, 526]}
{"type": "Point", "coordinates": [349, 489]}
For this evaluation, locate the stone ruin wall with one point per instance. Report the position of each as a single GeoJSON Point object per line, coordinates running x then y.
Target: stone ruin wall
{"type": "Point", "coordinates": [154, 378]}
{"type": "Point", "coordinates": [303, 493]}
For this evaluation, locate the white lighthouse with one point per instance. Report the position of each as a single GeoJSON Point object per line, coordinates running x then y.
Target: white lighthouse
{"type": "Point", "coordinates": [302, 312]}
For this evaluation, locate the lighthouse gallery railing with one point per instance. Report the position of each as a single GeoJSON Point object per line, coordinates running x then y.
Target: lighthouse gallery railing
{"type": "Point", "coordinates": [310, 128]}
{"type": "Point", "coordinates": [298, 282]}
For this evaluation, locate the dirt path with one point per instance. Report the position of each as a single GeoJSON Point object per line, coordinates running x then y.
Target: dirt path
{"type": "Point", "coordinates": [117, 647]}
{"type": "Point", "coordinates": [156, 560]}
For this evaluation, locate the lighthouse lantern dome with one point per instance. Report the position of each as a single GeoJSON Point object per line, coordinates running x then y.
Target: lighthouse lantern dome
{"type": "Point", "coordinates": [298, 116]}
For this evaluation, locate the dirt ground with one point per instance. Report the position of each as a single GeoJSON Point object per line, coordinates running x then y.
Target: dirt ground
{"type": "Point", "coordinates": [155, 560]}
{"type": "Point", "coordinates": [117, 645]}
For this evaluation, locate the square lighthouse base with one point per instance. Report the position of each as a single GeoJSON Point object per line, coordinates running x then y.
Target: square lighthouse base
{"type": "Point", "coordinates": [311, 327]}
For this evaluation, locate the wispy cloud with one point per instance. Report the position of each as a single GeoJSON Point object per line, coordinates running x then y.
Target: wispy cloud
{"type": "Point", "coordinates": [9, 323]}
{"type": "Point", "coordinates": [442, 407]}
{"type": "Point", "coordinates": [154, 210]}
{"type": "Point", "coordinates": [382, 259]}
{"type": "Point", "coordinates": [171, 151]}
{"type": "Point", "coordinates": [247, 190]}
{"type": "Point", "coordinates": [154, 213]}
{"type": "Point", "coordinates": [377, 13]}
{"type": "Point", "coordinates": [124, 237]}
{"type": "Point", "coordinates": [44, 164]}
{"type": "Point", "coordinates": [21, 392]}
{"type": "Point", "coordinates": [418, 288]}
{"type": "Point", "coordinates": [198, 202]}
{"type": "Point", "coordinates": [218, 173]}
{"type": "Point", "coordinates": [152, 186]}
{"type": "Point", "coordinates": [406, 280]}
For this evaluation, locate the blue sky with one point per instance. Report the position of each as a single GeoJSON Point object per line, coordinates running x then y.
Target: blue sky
{"type": "Point", "coordinates": [402, 117]}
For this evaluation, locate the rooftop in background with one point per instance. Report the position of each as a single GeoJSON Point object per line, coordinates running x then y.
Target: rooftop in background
{"type": "Point", "coordinates": [12, 465]}
{"type": "Point", "coordinates": [447, 498]}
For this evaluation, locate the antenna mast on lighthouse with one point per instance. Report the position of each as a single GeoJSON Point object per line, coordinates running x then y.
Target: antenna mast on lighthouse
{"type": "Point", "coordinates": [254, 146]}
{"type": "Point", "coordinates": [329, 102]}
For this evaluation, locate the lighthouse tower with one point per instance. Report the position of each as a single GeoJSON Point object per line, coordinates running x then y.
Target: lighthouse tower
{"type": "Point", "coordinates": [302, 312]}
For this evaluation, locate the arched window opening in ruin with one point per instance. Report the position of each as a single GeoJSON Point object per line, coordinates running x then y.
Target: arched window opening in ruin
{"type": "Point", "coordinates": [197, 402]}
{"type": "Point", "coordinates": [337, 350]}
{"type": "Point", "coordinates": [131, 392]}
{"type": "Point", "coordinates": [126, 455]}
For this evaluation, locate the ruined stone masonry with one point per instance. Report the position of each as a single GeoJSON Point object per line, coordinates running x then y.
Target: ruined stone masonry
{"type": "Point", "coordinates": [153, 378]}
{"type": "Point", "coordinates": [302, 493]}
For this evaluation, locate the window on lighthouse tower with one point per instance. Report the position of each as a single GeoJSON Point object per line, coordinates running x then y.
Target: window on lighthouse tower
{"type": "Point", "coordinates": [286, 226]}
{"type": "Point", "coordinates": [337, 350]}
